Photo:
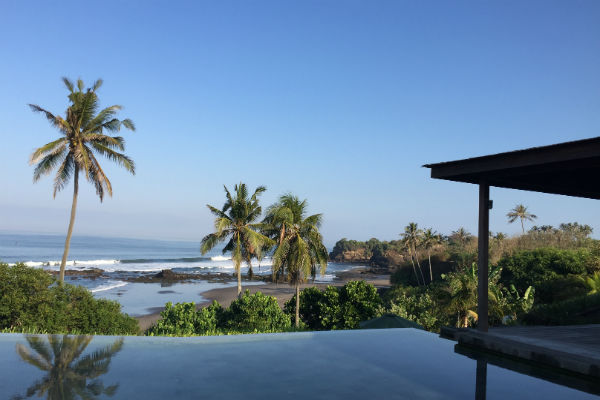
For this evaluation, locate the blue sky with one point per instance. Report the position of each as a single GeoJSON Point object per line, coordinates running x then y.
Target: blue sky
{"type": "Point", "coordinates": [339, 102]}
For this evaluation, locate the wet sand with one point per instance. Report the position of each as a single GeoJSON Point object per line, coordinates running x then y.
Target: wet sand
{"type": "Point", "coordinates": [281, 291]}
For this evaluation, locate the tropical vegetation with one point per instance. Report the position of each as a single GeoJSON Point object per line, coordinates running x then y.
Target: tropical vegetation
{"type": "Point", "coordinates": [251, 313]}
{"type": "Point", "coordinates": [30, 300]}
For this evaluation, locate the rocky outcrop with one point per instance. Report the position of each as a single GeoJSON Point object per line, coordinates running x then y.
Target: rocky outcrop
{"type": "Point", "coordinates": [354, 256]}
{"type": "Point", "coordinates": [391, 259]}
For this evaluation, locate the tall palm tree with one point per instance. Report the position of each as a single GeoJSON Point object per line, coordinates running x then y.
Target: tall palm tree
{"type": "Point", "coordinates": [412, 238]}
{"type": "Point", "coordinates": [236, 221]}
{"type": "Point", "coordinates": [69, 375]}
{"type": "Point", "coordinates": [430, 240]}
{"type": "Point", "coordinates": [520, 212]}
{"type": "Point", "coordinates": [82, 138]}
{"type": "Point", "coordinates": [299, 243]}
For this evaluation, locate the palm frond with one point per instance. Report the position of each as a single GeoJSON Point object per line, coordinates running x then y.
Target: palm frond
{"type": "Point", "coordinates": [46, 164]}
{"type": "Point", "coordinates": [127, 123]}
{"type": "Point", "coordinates": [105, 115]}
{"type": "Point", "coordinates": [97, 177]}
{"type": "Point", "coordinates": [63, 174]}
{"type": "Point", "coordinates": [114, 156]}
{"type": "Point", "coordinates": [97, 84]}
{"type": "Point", "coordinates": [113, 142]}
{"type": "Point", "coordinates": [56, 146]}
{"type": "Point", "coordinates": [55, 121]}
{"type": "Point", "coordinates": [68, 84]}
{"type": "Point", "coordinates": [217, 212]}
{"type": "Point", "coordinates": [209, 242]}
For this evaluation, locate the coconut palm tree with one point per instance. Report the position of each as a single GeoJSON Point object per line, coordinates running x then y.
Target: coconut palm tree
{"type": "Point", "coordinates": [430, 240]}
{"type": "Point", "coordinates": [236, 221]}
{"type": "Point", "coordinates": [412, 237]}
{"type": "Point", "coordinates": [69, 375]}
{"type": "Point", "coordinates": [299, 243]}
{"type": "Point", "coordinates": [82, 139]}
{"type": "Point", "coordinates": [462, 236]}
{"type": "Point", "coordinates": [520, 212]}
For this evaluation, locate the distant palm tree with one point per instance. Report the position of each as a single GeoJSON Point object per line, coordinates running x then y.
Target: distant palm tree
{"type": "Point", "coordinates": [83, 137]}
{"type": "Point", "coordinates": [520, 212]}
{"type": "Point", "coordinates": [462, 236]}
{"type": "Point", "coordinates": [69, 375]}
{"type": "Point", "coordinates": [236, 221]}
{"type": "Point", "coordinates": [412, 239]}
{"type": "Point", "coordinates": [430, 240]}
{"type": "Point", "coordinates": [300, 244]}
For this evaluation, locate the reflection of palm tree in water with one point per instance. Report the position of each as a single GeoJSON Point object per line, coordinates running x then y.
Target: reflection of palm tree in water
{"type": "Point", "coordinates": [67, 374]}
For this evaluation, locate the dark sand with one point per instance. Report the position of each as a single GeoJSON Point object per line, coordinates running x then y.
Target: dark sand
{"type": "Point", "coordinates": [281, 291]}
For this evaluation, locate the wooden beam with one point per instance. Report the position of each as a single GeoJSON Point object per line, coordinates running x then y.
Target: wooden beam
{"type": "Point", "coordinates": [483, 238]}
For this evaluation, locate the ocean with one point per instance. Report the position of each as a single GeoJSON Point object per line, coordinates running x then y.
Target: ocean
{"type": "Point", "coordinates": [121, 259]}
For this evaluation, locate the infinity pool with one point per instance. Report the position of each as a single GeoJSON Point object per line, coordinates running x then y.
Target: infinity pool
{"type": "Point", "coordinates": [362, 364]}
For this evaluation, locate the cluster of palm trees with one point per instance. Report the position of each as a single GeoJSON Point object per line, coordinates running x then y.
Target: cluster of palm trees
{"type": "Point", "coordinates": [286, 231]}
{"type": "Point", "coordinates": [415, 239]}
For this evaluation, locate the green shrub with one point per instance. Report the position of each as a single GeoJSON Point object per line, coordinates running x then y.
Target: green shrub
{"type": "Point", "coordinates": [176, 320]}
{"type": "Point", "coordinates": [336, 307]}
{"type": "Point", "coordinates": [319, 309]}
{"type": "Point", "coordinates": [255, 313]}
{"type": "Point", "coordinates": [579, 310]}
{"type": "Point", "coordinates": [359, 301]}
{"type": "Point", "coordinates": [417, 304]}
{"type": "Point", "coordinates": [30, 300]}
{"type": "Point", "coordinates": [209, 319]}
{"type": "Point", "coordinates": [539, 267]}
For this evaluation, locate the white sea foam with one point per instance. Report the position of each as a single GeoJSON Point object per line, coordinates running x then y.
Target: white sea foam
{"type": "Point", "coordinates": [220, 258]}
{"type": "Point", "coordinates": [214, 264]}
{"type": "Point", "coordinates": [70, 263]}
{"type": "Point", "coordinates": [108, 286]}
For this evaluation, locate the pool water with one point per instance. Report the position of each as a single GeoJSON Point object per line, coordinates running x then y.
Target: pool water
{"type": "Point", "coordinates": [361, 364]}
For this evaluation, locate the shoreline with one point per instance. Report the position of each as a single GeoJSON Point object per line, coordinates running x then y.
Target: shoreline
{"type": "Point", "coordinates": [281, 291]}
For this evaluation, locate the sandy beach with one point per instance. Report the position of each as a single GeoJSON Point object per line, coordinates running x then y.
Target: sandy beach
{"type": "Point", "coordinates": [283, 292]}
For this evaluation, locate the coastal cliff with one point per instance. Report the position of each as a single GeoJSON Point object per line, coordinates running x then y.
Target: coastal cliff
{"type": "Point", "coordinates": [372, 252]}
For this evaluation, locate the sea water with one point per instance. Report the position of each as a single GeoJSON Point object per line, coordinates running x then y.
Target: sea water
{"type": "Point", "coordinates": [121, 259]}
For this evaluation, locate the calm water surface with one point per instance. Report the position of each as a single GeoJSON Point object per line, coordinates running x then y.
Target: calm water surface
{"type": "Point", "coordinates": [367, 364]}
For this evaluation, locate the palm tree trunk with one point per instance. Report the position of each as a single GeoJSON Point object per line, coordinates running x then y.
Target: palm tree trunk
{"type": "Point", "coordinates": [419, 264]}
{"type": "Point", "coordinates": [250, 272]}
{"type": "Point", "coordinates": [412, 261]}
{"type": "Point", "coordinates": [63, 263]}
{"type": "Point", "coordinates": [430, 270]}
{"type": "Point", "coordinates": [239, 280]}
{"type": "Point", "coordinates": [297, 304]}
{"type": "Point", "coordinates": [522, 226]}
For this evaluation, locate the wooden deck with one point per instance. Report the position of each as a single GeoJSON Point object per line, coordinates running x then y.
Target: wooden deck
{"type": "Point", "coordinates": [572, 348]}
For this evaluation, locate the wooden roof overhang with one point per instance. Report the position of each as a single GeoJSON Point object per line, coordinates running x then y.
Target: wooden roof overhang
{"type": "Point", "coordinates": [570, 168]}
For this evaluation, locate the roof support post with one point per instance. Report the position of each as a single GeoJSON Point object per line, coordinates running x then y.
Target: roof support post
{"type": "Point", "coordinates": [483, 238]}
